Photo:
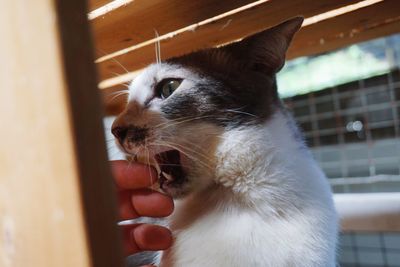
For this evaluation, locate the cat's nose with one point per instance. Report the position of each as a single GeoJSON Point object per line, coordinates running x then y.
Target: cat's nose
{"type": "Point", "coordinates": [136, 134]}
{"type": "Point", "coordinates": [119, 132]}
{"type": "Point", "coordinates": [132, 133]}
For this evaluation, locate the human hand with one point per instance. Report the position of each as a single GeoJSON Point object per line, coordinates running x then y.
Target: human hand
{"type": "Point", "coordinates": [136, 199]}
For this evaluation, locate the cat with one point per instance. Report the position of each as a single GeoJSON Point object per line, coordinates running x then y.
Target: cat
{"type": "Point", "coordinates": [248, 191]}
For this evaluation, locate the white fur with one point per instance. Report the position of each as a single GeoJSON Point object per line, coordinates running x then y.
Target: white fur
{"type": "Point", "coordinates": [142, 87]}
{"type": "Point", "coordinates": [274, 207]}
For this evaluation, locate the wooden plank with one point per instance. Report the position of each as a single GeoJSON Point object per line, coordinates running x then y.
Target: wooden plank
{"type": "Point", "coordinates": [114, 105]}
{"type": "Point", "coordinates": [94, 4]}
{"type": "Point", "coordinates": [97, 187]}
{"type": "Point", "coordinates": [55, 187]}
{"type": "Point", "coordinates": [137, 21]}
{"type": "Point", "coordinates": [224, 30]}
{"type": "Point", "coordinates": [361, 25]}
{"type": "Point", "coordinates": [375, 212]}
{"type": "Point", "coordinates": [113, 99]}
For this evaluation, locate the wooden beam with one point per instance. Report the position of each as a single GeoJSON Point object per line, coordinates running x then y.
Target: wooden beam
{"type": "Point", "coordinates": [56, 195]}
{"type": "Point", "coordinates": [114, 100]}
{"type": "Point", "coordinates": [375, 212]}
{"type": "Point", "coordinates": [137, 21]}
{"type": "Point", "coordinates": [363, 24]}
{"type": "Point", "coordinates": [96, 183]}
{"type": "Point", "coordinates": [222, 31]}
{"type": "Point", "coordinates": [94, 4]}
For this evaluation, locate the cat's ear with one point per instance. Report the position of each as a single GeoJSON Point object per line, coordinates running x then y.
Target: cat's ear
{"type": "Point", "coordinates": [266, 50]}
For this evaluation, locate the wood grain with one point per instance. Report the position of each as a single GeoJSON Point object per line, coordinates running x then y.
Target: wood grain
{"type": "Point", "coordinates": [94, 4]}
{"type": "Point", "coordinates": [96, 183]}
{"type": "Point", "coordinates": [137, 21]}
{"type": "Point", "coordinates": [113, 101]}
{"type": "Point", "coordinates": [372, 223]}
{"type": "Point", "coordinates": [56, 198]}
{"type": "Point", "coordinates": [361, 25]}
{"type": "Point", "coordinates": [225, 30]}
{"type": "Point", "coordinates": [374, 212]}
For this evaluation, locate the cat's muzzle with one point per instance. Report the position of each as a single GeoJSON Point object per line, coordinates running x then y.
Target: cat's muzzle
{"type": "Point", "coordinates": [131, 134]}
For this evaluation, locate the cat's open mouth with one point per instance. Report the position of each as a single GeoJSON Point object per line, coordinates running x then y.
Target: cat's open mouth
{"type": "Point", "coordinates": [171, 173]}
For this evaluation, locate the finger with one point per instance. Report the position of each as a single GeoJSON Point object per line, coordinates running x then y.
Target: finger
{"type": "Point", "coordinates": [129, 243]}
{"type": "Point", "coordinates": [133, 175]}
{"type": "Point", "coordinates": [125, 207]}
{"type": "Point", "coordinates": [152, 237]}
{"type": "Point", "coordinates": [143, 202]}
{"type": "Point", "coordinates": [145, 237]}
{"type": "Point", "coordinates": [150, 203]}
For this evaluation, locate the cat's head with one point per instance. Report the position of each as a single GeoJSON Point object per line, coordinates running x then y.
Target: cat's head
{"type": "Point", "coordinates": [177, 110]}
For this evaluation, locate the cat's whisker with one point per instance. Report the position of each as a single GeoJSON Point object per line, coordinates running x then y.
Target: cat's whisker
{"type": "Point", "coordinates": [202, 150]}
{"type": "Point", "coordinates": [164, 143]}
{"type": "Point", "coordinates": [188, 119]}
{"type": "Point", "coordinates": [241, 112]}
{"type": "Point", "coordinates": [113, 59]}
{"type": "Point", "coordinates": [116, 96]}
{"type": "Point", "coordinates": [116, 74]}
{"type": "Point", "coordinates": [168, 122]}
{"type": "Point", "coordinates": [157, 47]}
{"type": "Point", "coordinates": [185, 153]}
{"type": "Point", "coordinates": [120, 64]}
{"type": "Point", "coordinates": [126, 91]}
{"type": "Point", "coordinates": [120, 93]}
{"type": "Point", "coordinates": [218, 135]}
{"type": "Point", "coordinates": [130, 164]}
{"type": "Point", "coordinates": [184, 121]}
{"type": "Point", "coordinates": [192, 151]}
{"type": "Point", "coordinates": [126, 85]}
{"type": "Point", "coordinates": [148, 162]}
{"type": "Point", "coordinates": [173, 120]}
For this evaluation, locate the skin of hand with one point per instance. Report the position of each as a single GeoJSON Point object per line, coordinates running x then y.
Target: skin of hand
{"type": "Point", "coordinates": [136, 199]}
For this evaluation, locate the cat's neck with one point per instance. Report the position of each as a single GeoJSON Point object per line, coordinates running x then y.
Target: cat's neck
{"type": "Point", "coordinates": [268, 164]}
{"type": "Point", "coordinates": [251, 155]}
{"type": "Point", "coordinates": [265, 168]}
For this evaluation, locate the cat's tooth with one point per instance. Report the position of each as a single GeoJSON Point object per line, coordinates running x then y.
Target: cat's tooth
{"type": "Point", "coordinates": [167, 176]}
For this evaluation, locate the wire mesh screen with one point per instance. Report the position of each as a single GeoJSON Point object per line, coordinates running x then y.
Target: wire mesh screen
{"type": "Point", "coordinates": [353, 131]}
{"type": "Point", "coordinates": [369, 250]}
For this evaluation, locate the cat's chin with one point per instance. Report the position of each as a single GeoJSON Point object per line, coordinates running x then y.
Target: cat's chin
{"type": "Point", "coordinates": [176, 192]}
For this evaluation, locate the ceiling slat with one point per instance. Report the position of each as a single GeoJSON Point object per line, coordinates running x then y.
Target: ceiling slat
{"type": "Point", "coordinates": [137, 21]}
{"type": "Point", "coordinates": [93, 4]}
{"type": "Point", "coordinates": [225, 30]}
{"type": "Point", "coordinates": [366, 23]}
{"type": "Point", "coordinates": [114, 102]}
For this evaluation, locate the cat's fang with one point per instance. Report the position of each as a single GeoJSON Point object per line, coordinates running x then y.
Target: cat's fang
{"type": "Point", "coordinates": [171, 175]}
{"type": "Point", "coordinates": [167, 176]}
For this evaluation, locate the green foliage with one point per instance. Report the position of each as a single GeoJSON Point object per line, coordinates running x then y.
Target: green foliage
{"type": "Point", "coordinates": [360, 61]}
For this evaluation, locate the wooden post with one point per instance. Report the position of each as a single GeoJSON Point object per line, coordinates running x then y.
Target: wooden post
{"type": "Point", "coordinates": [56, 199]}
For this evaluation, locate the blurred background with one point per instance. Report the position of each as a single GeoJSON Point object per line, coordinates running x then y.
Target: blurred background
{"type": "Point", "coordinates": [348, 104]}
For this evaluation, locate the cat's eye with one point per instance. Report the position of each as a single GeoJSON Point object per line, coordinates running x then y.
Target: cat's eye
{"type": "Point", "coordinates": [168, 86]}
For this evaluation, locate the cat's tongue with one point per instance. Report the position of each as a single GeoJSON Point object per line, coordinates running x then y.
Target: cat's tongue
{"type": "Point", "coordinates": [170, 167]}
